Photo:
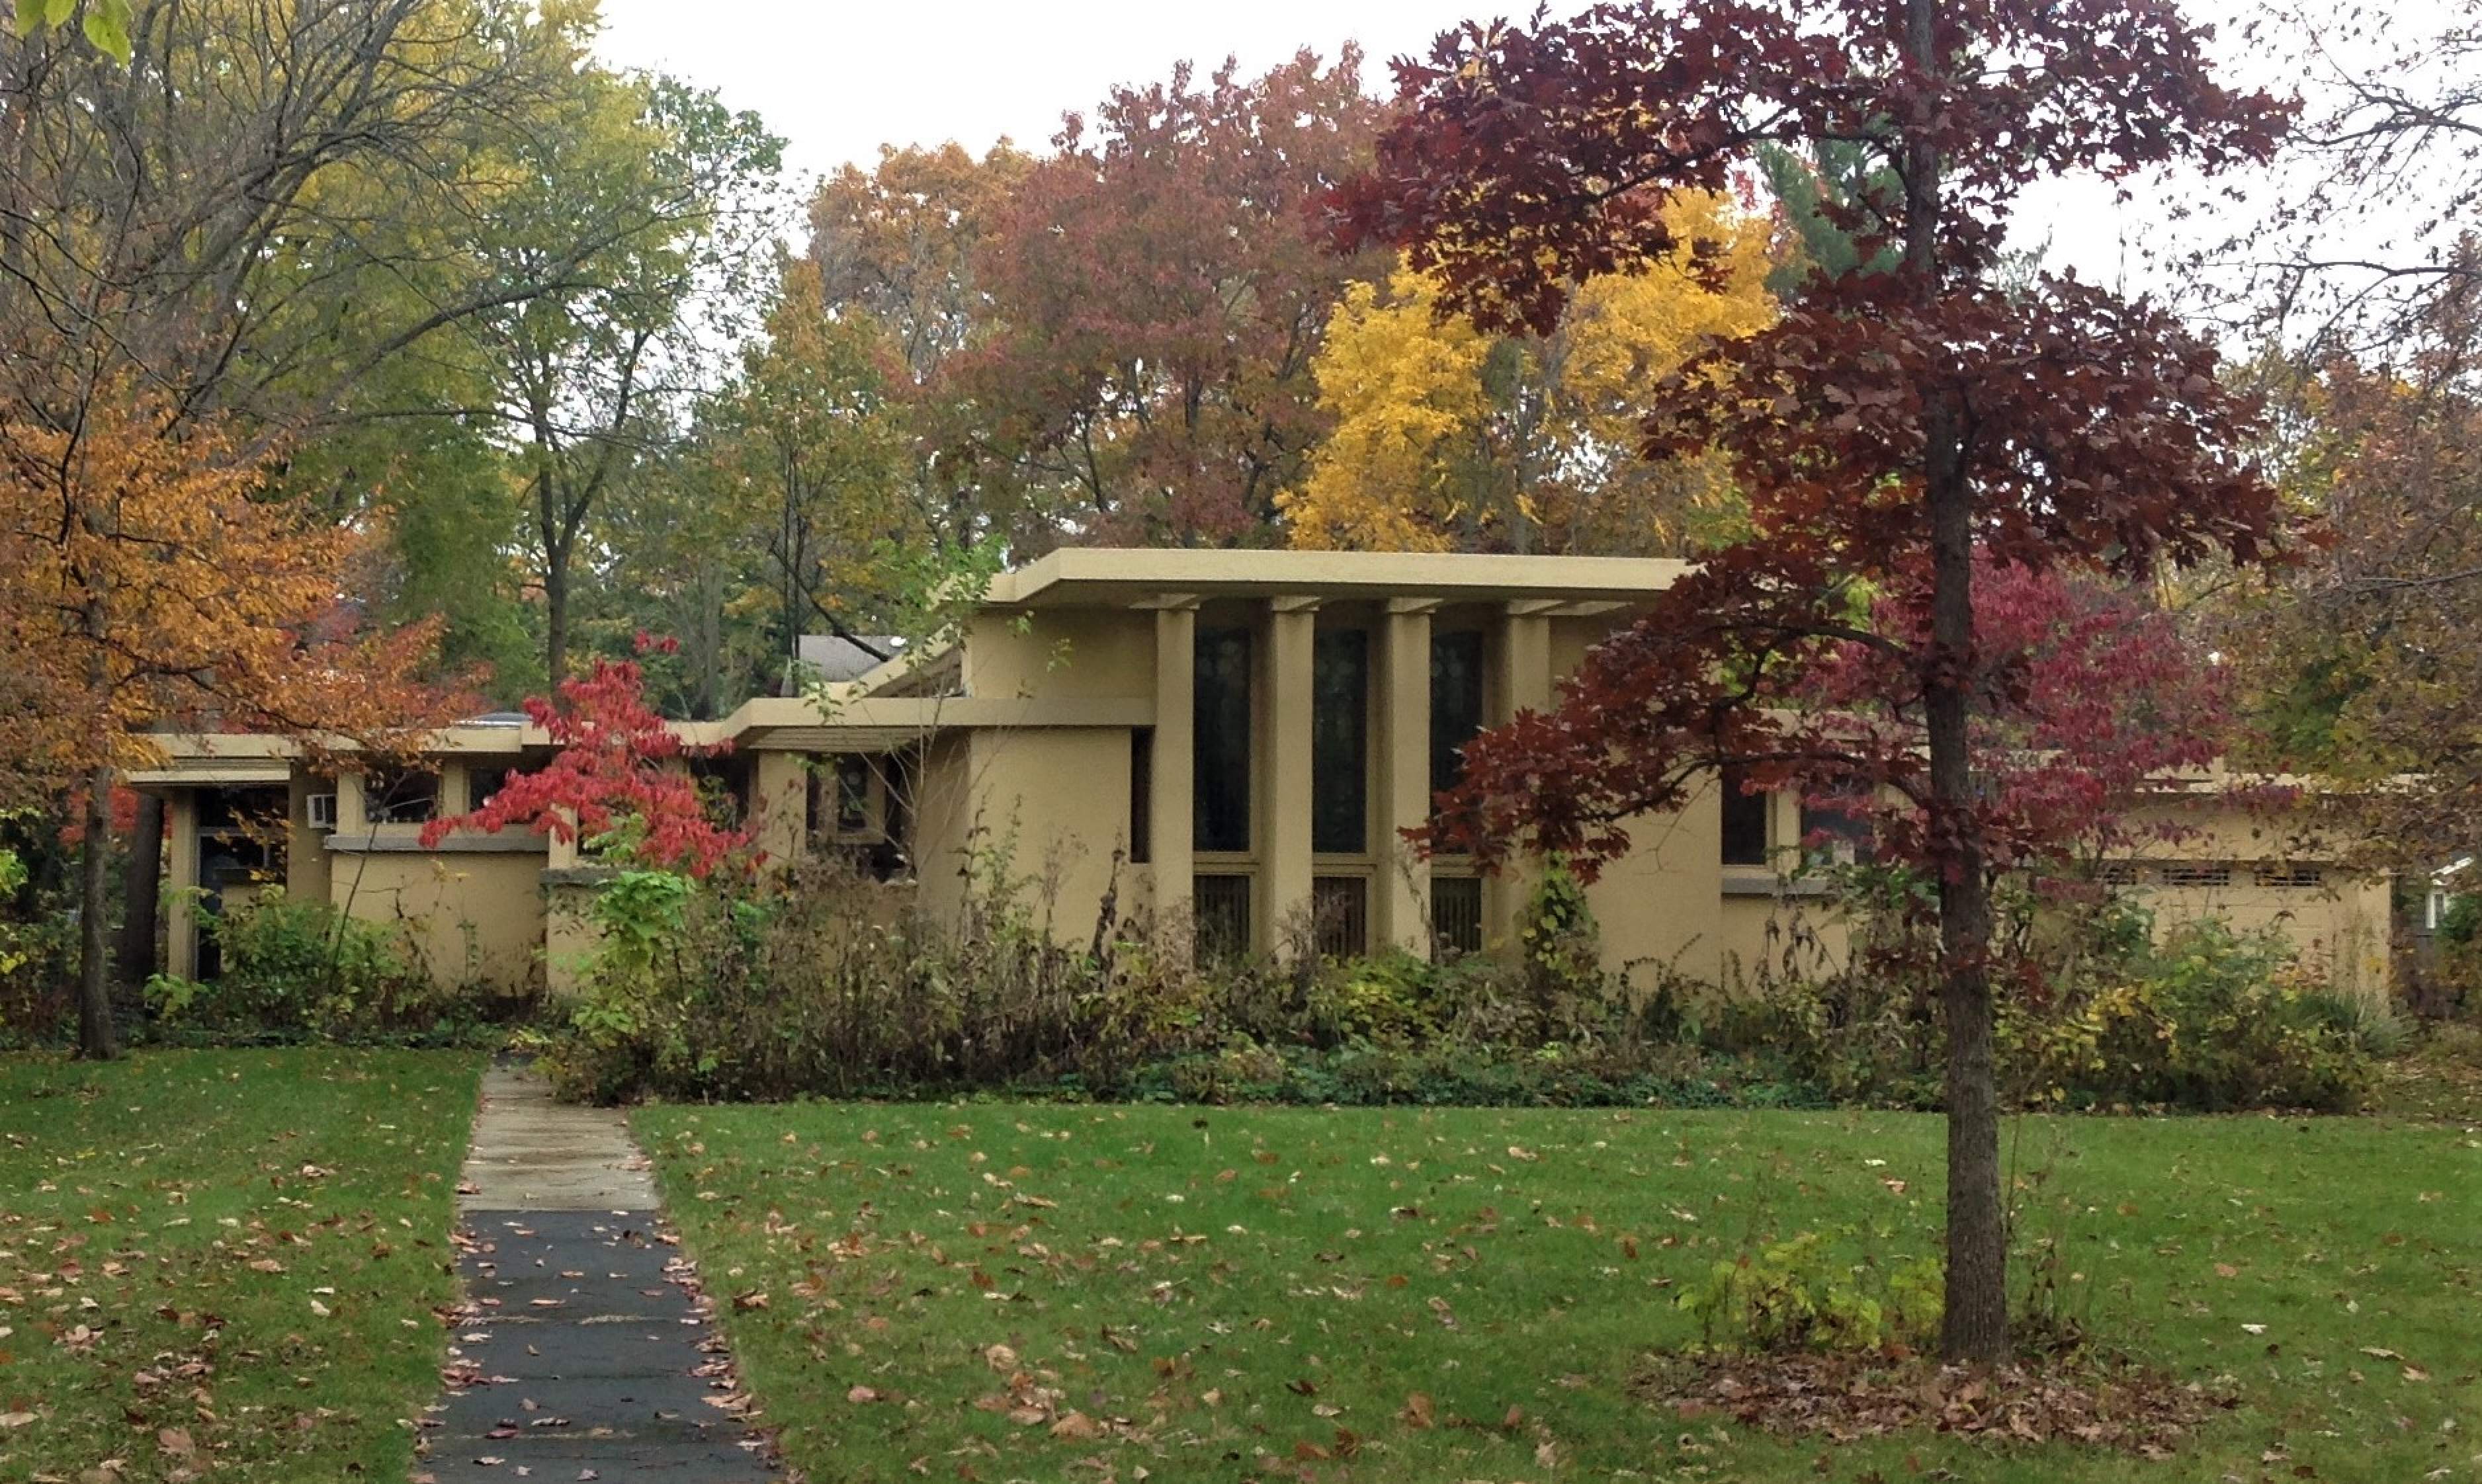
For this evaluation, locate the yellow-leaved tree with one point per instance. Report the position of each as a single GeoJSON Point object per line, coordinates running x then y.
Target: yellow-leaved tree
{"type": "Point", "coordinates": [1448, 439]}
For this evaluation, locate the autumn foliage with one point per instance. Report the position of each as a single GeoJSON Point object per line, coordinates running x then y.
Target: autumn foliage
{"type": "Point", "coordinates": [146, 584]}
{"type": "Point", "coordinates": [1448, 437]}
{"type": "Point", "coordinates": [617, 776]}
{"type": "Point", "coordinates": [1904, 426]}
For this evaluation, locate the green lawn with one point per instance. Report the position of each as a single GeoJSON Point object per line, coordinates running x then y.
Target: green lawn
{"type": "Point", "coordinates": [1237, 1286]}
{"type": "Point", "coordinates": [223, 1265]}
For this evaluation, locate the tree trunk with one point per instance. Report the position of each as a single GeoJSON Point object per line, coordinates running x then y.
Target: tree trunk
{"type": "Point", "coordinates": [1975, 1325]}
{"type": "Point", "coordinates": [555, 617]}
{"type": "Point", "coordinates": [141, 882]}
{"type": "Point", "coordinates": [96, 1038]}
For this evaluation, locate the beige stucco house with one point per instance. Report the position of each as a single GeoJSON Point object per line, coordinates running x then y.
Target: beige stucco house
{"type": "Point", "coordinates": [1227, 741]}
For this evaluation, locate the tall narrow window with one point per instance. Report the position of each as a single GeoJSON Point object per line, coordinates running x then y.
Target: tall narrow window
{"type": "Point", "coordinates": [1221, 783]}
{"type": "Point", "coordinates": [1141, 792]}
{"type": "Point", "coordinates": [1456, 703]}
{"type": "Point", "coordinates": [853, 793]}
{"type": "Point", "coordinates": [1744, 822]}
{"type": "Point", "coordinates": [1340, 743]}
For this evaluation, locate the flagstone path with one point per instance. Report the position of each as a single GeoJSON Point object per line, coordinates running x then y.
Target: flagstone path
{"type": "Point", "coordinates": [583, 1356]}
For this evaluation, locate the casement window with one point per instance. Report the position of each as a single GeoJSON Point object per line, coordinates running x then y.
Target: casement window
{"type": "Point", "coordinates": [400, 796]}
{"type": "Point", "coordinates": [1340, 743]}
{"type": "Point", "coordinates": [1744, 822]}
{"type": "Point", "coordinates": [1456, 703]}
{"type": "Point", "coordinates": [1341, 908]}
{"type": "Point", "coordinates": [1222, 713]}
{"type": "Point", "coordinates": [1835, 836]}
{"type": "Point", "coordinates": [1219, 910]}
{"type": "Point", "coordinates": [1141, 796]}
{"type": "Point", "coordinates": [1455, 914]}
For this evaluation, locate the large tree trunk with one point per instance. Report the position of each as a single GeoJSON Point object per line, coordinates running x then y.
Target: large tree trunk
{"type": "Point", "coordinates": [95, 1037]}
{"type": "Point", "coordinates": [141, 882]}
{"type": "Point", "coordinates": [1975, 1326]}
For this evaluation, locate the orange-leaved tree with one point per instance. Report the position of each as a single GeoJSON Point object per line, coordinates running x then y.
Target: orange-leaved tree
{"type": "Point", "coordinates": [146, 586]}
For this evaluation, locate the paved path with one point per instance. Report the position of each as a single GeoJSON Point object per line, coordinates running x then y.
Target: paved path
{"type": "Point", "coordinates": [583, 1357]}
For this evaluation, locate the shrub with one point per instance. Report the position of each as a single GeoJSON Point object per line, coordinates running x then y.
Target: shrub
{"type": "Point", "coordinates": [2205, 1019]}
{"type": "Point", "coordinates": [1795, 1295]}
{"type": "Point", "coordinates": [303, 971]}
{"type": "Point", "coordinates": [826, 984]}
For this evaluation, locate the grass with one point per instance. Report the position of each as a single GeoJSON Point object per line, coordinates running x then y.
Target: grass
{"type": "Point", "coordinates": [1240, 1285]}
{"type": "Point", "coordinates": [223, 1265]}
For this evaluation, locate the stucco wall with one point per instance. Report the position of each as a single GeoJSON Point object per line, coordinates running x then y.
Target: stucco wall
{"type": "Point", "coordinates": [1055, 802]}
{"type": "Point", "coordinates": [1061, 652]}
{"type": "Point", "coordinates": [1658, 906]}
{"type": "Point", "coordinates": [473, 917]}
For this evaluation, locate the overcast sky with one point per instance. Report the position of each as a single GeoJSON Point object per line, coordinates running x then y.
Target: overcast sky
{"type": "Point", "coordinates": [837, 79]}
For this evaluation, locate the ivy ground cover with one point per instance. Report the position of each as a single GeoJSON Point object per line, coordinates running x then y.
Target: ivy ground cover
{"type": "Point", "coordinates": [996, 1292]}
{"type": "Point", "coordinates": [225, 1264]}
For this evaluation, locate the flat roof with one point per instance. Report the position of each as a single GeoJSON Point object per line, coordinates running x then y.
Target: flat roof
{"type": "Point", "coordinates": [1110, 576]}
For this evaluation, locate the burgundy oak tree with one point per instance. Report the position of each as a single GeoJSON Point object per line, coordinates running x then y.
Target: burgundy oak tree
{"type": "Point", "coordinates": [1903, 424]}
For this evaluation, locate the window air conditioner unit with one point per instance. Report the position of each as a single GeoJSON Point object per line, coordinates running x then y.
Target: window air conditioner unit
{"type": "Point", "coordinates": [321, 811]}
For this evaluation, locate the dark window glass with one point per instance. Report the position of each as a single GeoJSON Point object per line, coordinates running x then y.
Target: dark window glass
{"type": "Point", "coordinates": [1222, 910]}
{"type": "Point", "coordinates": [400, 797]}
{"type": "Point", "coordinates": [853, 795]}
{"type": "Point", "coordinates": [1824, 827]}
{"type": "Point", "coordinates": [1342, 908]}
{"type": "Point", "coordinates": [1456, 703]}
{"type": "Point", "coordinates": [1222, 715]}
{"type": "Point", "coordinates": [1141, 787]}
{"type": "Point", "coordinates": [1455, 914]}
{"type": "Point", "coordinates": [1340, 743]}
{"type": "Point", "coordinates": [1745, 822]}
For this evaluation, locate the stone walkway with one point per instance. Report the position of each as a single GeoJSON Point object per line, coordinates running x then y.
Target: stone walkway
{"type": "Point", "coordinates": [583, 1356]}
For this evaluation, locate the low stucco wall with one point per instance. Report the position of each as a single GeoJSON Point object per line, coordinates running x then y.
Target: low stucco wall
{"type": "Point", "coordinates": [472, 918]}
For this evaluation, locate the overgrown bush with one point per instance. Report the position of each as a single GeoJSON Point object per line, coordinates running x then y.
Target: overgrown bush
{"type": "Point", "coordinates": [826, 984]}
{"type": "Point", "coordinates": [297, 971]}
{"type": "Point", "coordinates": [2101, 1014]}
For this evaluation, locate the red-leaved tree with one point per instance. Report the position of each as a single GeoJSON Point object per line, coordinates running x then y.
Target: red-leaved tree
{"type": "Point", "coordinates": [617, 773]}
{"type": "Point", "coordinates": [2089, 698]}
{"type": "Point", "coordinates": [1903, 424]}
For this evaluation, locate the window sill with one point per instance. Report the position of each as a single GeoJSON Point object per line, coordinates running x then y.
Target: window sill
{"type": "Point", "coordinates": [1757, 881]}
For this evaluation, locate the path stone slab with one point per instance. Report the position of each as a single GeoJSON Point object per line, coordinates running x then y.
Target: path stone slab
{"type": "Point", "coordinates": [533, 1152]}
{"type": "Point", "coordinates": [582, 1357]}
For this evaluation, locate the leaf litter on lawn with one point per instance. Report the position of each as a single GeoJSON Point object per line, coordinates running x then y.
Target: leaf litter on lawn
{"type": "Point", "coordinates": [2110, 1403]}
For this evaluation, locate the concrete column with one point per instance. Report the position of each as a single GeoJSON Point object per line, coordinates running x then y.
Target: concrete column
{"type": "Point", "coordinates": [1284, 842]}
{"type": "Point", "coordinates": [1521, 681]}
{"type": "Point", "coordinates": [180, 882]}
{"type": "Point", "coordinates": [1402, 911]}
{"type": "Point", "coordinates": [779, 806]}
{"type": "Point", "coordinates": [1172, 802]}
{"type": "Point", "coordinates": [306, 870]}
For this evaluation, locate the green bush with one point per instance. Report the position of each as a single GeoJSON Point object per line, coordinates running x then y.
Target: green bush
{"type": "Point", "coordinates": [2205, 1019]}
{"type": "Point", "coordinates": [827, 986]}
{"type": "Point", "coordinates": [297, 971]}
{"type": "Point", "coordinates": [1795, 1294]}
{"type": "Point", "coordinates": [822, 984]}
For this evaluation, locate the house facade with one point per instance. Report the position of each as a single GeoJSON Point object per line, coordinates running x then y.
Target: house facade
{"type": "Point", "coordinates": [1230, 742]}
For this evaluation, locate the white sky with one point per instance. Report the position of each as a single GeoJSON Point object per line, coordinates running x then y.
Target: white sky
{"type": "Point", "coordinates": [837, 79]}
